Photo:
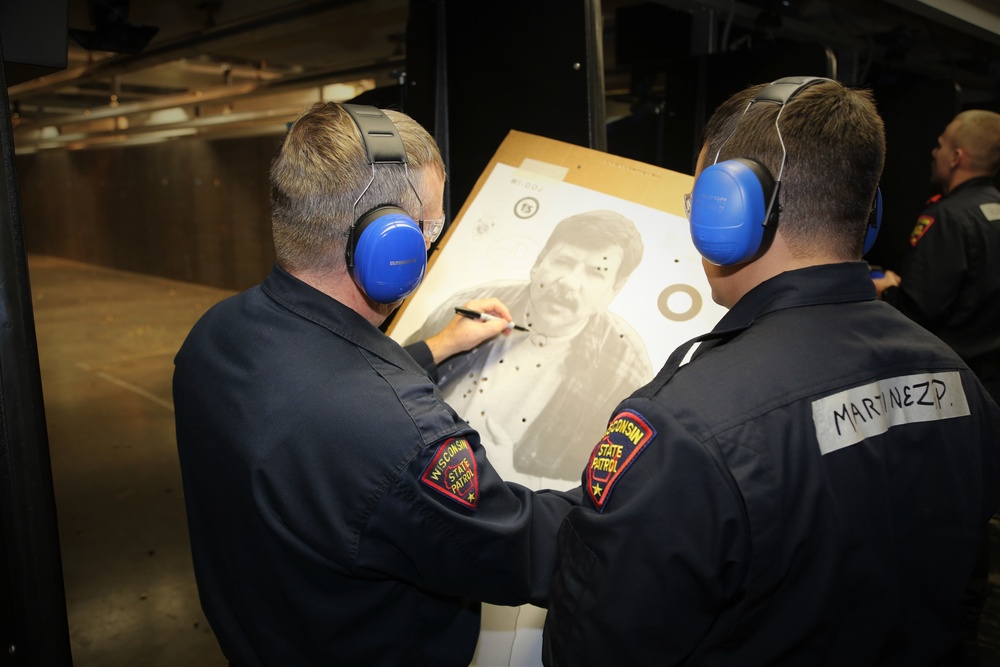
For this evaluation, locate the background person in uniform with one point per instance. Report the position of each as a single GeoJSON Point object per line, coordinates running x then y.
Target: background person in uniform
{"type": "Point", "coordinates": [540, 397]}
{"type": "Point", "coordinates": [950, 278]}
{"type": "Point", "coordinates": [340, 512]}
{"type": "Point", "coordinates": [949, 281]}
{"type": "Point", "coordinates": [810, 487]}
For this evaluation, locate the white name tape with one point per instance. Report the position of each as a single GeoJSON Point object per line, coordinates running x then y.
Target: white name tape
{"type": "Point", "coordinates": [849, 417]}
{"type": "Point", "coordinates": [991, 211]}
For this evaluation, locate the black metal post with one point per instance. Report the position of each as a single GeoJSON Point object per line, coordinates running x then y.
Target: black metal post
{"type": "Point", "coordinates": [33, 624]}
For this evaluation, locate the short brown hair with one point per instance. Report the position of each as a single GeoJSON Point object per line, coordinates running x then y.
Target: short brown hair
{"type": "Point", "coordinates": [320, 172]}
{"type": "Point", "coordinates": [835, 144]}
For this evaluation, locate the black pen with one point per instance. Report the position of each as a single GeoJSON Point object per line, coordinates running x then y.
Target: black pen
{"type": "Point", "coordinates": [485, 317]}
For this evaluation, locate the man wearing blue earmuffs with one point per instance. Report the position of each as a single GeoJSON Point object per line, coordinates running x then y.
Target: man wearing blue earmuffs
{"type": "Point", "coordinates": [807, 483]}
{"type": "Point", "coordinates": [340, 512]}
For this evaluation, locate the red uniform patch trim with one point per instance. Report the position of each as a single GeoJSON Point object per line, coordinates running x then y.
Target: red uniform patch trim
{"type": "Point", "coordinates": [452, 472]}
{"type": "Point", "coordinates": [924, 223]}
{"type": "Point", "coordinates": [626, 437]}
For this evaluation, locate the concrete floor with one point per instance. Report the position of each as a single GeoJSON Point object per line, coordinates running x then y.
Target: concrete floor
{"type": "Point", "coordinates": [106, 343]}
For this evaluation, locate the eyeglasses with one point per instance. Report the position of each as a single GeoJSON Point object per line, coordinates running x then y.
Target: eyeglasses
{"type": "Point", "coordinates": [687, 205]}
{"type": "Point", "coordinates": [432, 229]}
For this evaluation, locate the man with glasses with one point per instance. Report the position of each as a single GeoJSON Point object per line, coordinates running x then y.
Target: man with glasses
{"type": "Point", "coordinates": [432, 228]}
{"type": "Point", "coordinates": [340, 512]}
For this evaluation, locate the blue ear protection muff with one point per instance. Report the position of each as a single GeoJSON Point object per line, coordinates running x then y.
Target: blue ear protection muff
{"type": "Point", "coordinates": [729, 210]}
{"type": "Point", "coordinates": [874, 222]}
{"type": "Point", "coordinates": [733, 202]}
{"type": "Point", "coordinates": [385, 253]}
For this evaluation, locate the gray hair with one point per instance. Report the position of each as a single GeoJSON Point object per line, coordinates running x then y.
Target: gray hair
{"type": "Point", "coordinates": [322, 170]}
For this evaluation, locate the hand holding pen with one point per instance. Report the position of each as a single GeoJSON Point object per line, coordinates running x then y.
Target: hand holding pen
{"type": "Point", "coordinates": [486, 317]}
{"type": "Point", "coordinates": [482, 319]}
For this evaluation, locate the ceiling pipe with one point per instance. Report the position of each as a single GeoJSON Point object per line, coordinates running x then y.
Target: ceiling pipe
{"type": "Point", "coordinates": [222, 92]}
{"type": "Point", "coordinates": [260, 25]}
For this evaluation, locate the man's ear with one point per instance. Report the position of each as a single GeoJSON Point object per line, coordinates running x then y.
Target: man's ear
{"type": "Point", "coordinates": [958, 158]}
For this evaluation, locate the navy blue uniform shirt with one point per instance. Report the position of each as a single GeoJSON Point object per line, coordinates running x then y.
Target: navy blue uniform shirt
{"type": "Point", "coordinates": [951, 276]}
{"type": "Point", "coordinates": [810, 489]}
{"type": "Point", "coordinates": [340, 513]}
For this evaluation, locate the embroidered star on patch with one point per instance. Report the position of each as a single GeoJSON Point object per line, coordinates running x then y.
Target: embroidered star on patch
{"type": "Point", "coordinates": [452, 472]}
{"type": "Point", "coordinates": [627, 435]}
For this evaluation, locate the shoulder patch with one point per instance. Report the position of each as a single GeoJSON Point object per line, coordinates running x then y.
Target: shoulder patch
{"type": "Point", "coordinates": [452, 472]}
{"type": "Point", "coordinates": [627, 435]}
{"type": "Point", "coordinates": [924, 223]}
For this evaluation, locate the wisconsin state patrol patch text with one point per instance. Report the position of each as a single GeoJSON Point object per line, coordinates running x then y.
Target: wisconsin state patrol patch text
{"type": "Point", "coordinates": [452, 472]}
{"type": "Point", "coordinates": [627, 435]}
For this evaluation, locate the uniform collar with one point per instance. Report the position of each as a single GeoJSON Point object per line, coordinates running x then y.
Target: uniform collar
{"type": "Point", "coordinates": [827, 283]}
{"type": "Point", "coordinates": [309, 303]}
{"type": "Point", "coordinates": [814, 285]}
{"type": "Point", "coordinates": [978, 181]}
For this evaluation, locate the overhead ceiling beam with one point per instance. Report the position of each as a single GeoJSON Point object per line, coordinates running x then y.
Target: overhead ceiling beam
{"type": "Point", "coordinates": [961, 15]}
{"type": "Point", "coordinates": [224, 92]}
{"type": "Point", "coordinates": [259, 26]}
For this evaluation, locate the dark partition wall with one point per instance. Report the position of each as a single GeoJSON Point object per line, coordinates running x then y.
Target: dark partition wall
{"type": "Point", "coordinates": [652, 56]}
{"type": "Point", "coordinates": [478, 70]}
{"type": "Point", "coordinates": [34, 38]}
{"type": "Point", "coordinates": [188, 210]}
{"type": "Point", "coordinates": [916, 111]}
{"type": "Point", "coordinates": [665, 128]}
